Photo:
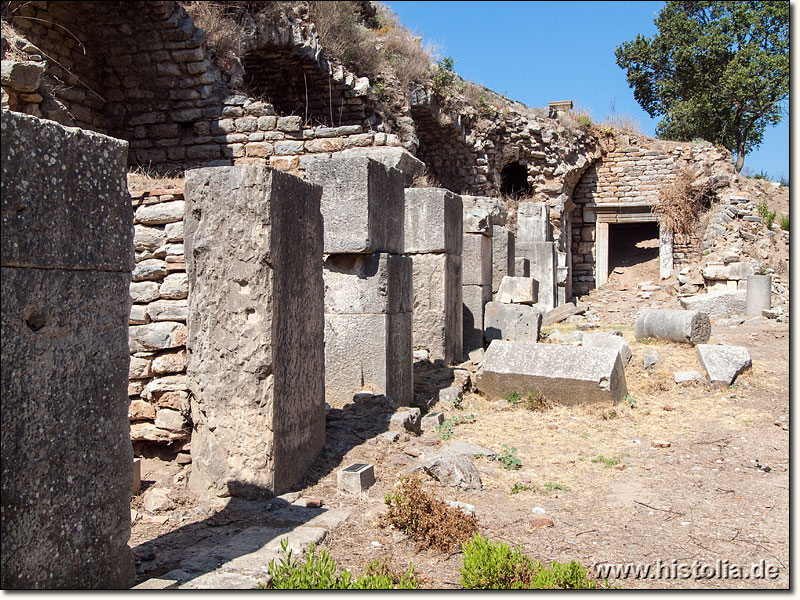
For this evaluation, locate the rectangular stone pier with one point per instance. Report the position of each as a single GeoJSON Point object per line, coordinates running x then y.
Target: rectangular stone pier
{"type": "Point", "coordinates": [255, 329]}
{"type": "Point", "coordinates": [433, 236]}
{"type": "Point", "coordinates": [67, 257]}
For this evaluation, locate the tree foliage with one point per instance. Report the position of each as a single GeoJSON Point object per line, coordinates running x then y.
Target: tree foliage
{"type": "Point", "coordinates": [715, 70]}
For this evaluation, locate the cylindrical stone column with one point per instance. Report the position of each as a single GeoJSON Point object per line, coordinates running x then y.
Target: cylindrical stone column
{"type": "Point", "coordinates": [759, 294]}
{"type": "Point", "coordinates": [686, 326]}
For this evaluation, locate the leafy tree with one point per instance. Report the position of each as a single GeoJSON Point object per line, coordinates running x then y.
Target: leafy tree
{"type": "Point", "coordinates": [715, 70]}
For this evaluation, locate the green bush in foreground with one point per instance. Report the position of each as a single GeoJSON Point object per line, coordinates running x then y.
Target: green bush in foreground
{"type": "Point", "coordinates": [318, 572]}
{"type": "Point", "coordinates": [495, 566]}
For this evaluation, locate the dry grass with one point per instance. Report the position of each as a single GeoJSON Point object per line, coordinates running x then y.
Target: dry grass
{"type": "Point", "coordinates": [223, 32]}
{"type": "Point", "coordinates": [342, 35]}
{"type": "Point", "coordinates": [431, 523]}
{"type": "Point", "coordinates": [408, 60]}
{"type": "Point", "coordinates": [624, 124]}
{"type": "Point", "coordinates": [426, 179]}
{"type": "Point", "coordinates": [680, 205]}
{"type": "Point", "coordinates": [142, 180]}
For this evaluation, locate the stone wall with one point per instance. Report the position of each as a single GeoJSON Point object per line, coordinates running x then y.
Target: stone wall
{"type": "Point", "coordinates": [631, 173]}
{"type": "Point", "coordinates": [67, 467]}
{"type": "Point", "coordinates": [159, 289]}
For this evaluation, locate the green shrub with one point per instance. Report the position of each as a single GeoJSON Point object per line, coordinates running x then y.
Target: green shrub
{"type": "Point", "coordinates": [512, 397]}
{"type": "Point", "coordinates": [520, 487]}
{"type": "Point", "coordinates": [556, 487]}
{"type": "Point", "coordinates": [785, 222]}
{"type": "Point", "coordinates": [608, 462]}
{"type": "Point", "coordinates": [318, 572]}
{"type": "Point", "coordinates": [444, 77]}
{"type": "Point", "coordinates": [766, 214]}
{"type": "Point", "coordinates": [445, 430]}
{"type": "Point", "coordinates": [584, 121]}
{"type": "Point", "coordinates": [510, 462]}
{"type": "Point", "coordinates": [495, 566]}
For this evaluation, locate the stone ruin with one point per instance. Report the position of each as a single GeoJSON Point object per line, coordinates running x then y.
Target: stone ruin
{"type": "Point", "coordinates": [297, 266]}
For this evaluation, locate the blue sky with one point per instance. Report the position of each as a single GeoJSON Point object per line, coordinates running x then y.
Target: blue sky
{"type": "Point", "coordinates": [538, 52]}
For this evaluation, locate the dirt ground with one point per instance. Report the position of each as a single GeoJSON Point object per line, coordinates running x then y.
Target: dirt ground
{"type": "Point", "coordinates": [677, 473]}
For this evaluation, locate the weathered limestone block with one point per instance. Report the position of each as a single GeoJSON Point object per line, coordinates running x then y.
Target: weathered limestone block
{"type": "Point", "coordinates": [564, 374]}
{"type": "Point", "coordinates": [168, 310]}
{"type": "Point", "coordinates": [22, 77]}
{"type": "Point", "coordinates": [522, 266]}
{"type": "Point", "coordinates": [156, 336]}
{"type": "Point", "coordinates": [564, 311]}
{"type": "Point", "coordinates": [144, 291]}
{"type": "Point", "coordinates": [723, 363]}
{"type": "Point", "coordinates": [607, 340]}
{"type": "Point", "coordinates": [362, 204]}
{"type": "Point", "coordinates": [67, 463]}
{"type": "Point", "coordinates": [367, 283]}
{"type": "Point", "coordinates": [477, 220]}
{"type": "Point", "coordinates": [475, 298]}
{"type": "Point", "coordinates": [685, 326]}
{"type": "Point", "coordinates": [392, 157]}
{"type": "Point", "coordinates": [733, 271]}
{"type": "Point", "coordinates": [759, 295]}
{"type": "Point", "coordinates": [542, 257]}
{"type": "Point", "coordinates": [502, 255]}
{"type": "Point", "coordinates": [160, 214]}
{"type": "Point", "coordinates": [717, 304]}
{"type": "Point", "coordinates": [368, 352]}
{"type": "Point", "coordinates": [494, 206]}
{"type": "Point", "coordinates": [256, 323]}
{"type": "Point", "coordinates": [174, 287]}
{"type": "Point", "coordinates": [438, 314]}
{"type": "Point", "coordinates": [476, 260]}
{"type": "Point", "coordinates": [433, 221]}
{"type": "Point", "coordinates": [533, 224]}
{"type": "Point", "coordinates": [511, 322]}
{"type": "Point", "coordinates": [148, 238]}
{"type": "Point", "coordinates": [518, 290]}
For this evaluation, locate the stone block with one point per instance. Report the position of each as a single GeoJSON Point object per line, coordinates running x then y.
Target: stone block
{"type": "Point", "coordinates": [494, 206]}
{"type": "Point", "coordinates": [502, 255]}
{"type": "Point", "coordinates": [160, 214]}
{"type": "Point", "coordinates": [431, 421]}
{"type": "Point", "coordinates": [543, 262]}
{"type": "Point", "coordinates": [533, 224]}
{"type": "Point", "coordinates": [512, 322]}
{"type": "Point", "coordinates": [476, 260]}
{"type": "Point", "coordinates": [522, 266]}
{"type": "Point", "coordinates": [355, 478]}
{"type": "Point", "coordinates": [477, 220]}
{"type": "Point", "coordinates": [433, 221]}
{"type": "Point", "coordinates": [367, 283]}
{"type": "Point", "coordinates": [564, 311]}
{"type": "Point", "coordinates": [156, 336]}
{"type": "Point", "coordinates": [174, 287]}
{"type": "Point", "coordinates": [607, 340]}
{"type": "Point", "coordinates": [564, 374]}
{"type": "Point", "coordinates": [362, 204]}
{"type": "Point", "coordinates": [438, 314]}
{"type": "Point", "coordinates": [147, 239]}
{"type": "Point", "coordinates": [253, 241]}
{"type": "Point", "coordinates": [759, 295]}
{"type": "Point", "coordinates": [144, 291]}
{"type": "Point", "coordinates": [168, 310]}
{"type": "Point", "coordinates": [475, 298]}
{"type": "Point", "coordinates": [717, 304]}
{"type": "Point", "coordinates": [723, 363]}
{"type": "Point", "coordinates": [392, 157]}
{"type": "Point", "coordinates": [368, 352]}
{"type": "Point", "coordinates": [733, 271]}
{"type": "Point", "coordinates": [518, 290]}
{"type": "Point", "coordinates": [78, 181]}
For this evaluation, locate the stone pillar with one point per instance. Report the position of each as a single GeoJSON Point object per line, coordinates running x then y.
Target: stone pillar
{"type": "Point", "coordinates": [502, 255]}
{"type": "Point", "coordinates": [67, 257]}
{"type": "Point", "coordinates": [759, 294]}
{"type": "Point", "coordinates": [434, 238]}
{"type": "Point", "coordinates": [665, 250]}
{"type": "Point", "coordinates": [253, 239]}
{"type": "Point", "coordinates": [601, 254]}
{"type": "Point", "coordinates": [476, 260]}
{"type": "Point", "coordinates": [368, 285]}
{"type": "Point", "coordinates": [535, 242]}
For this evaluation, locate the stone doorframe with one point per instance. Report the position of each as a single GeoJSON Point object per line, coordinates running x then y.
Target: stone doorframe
{"type": "Point", "coordinates": [627, 212]}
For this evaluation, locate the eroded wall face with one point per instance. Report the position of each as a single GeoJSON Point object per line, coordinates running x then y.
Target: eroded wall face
{"type": "Point", "coordinates": [66, 262]}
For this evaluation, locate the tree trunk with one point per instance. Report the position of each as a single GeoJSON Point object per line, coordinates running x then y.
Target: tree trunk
{"type": "Point", "coordinates": [739, 161]}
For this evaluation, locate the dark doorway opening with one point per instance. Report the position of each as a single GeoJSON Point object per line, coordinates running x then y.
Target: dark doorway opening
{"type": "Point", "coordinates": [634, 246]}
{"type": "Point", "coordinates": [514, 180]}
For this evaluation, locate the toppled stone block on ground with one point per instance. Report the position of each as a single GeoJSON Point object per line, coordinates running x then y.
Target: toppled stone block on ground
{"type": "Point", "coordinates": [256, 324]}
{"type": "Point", "coordinates": [355, 478]}
{"type": "Point", "coordinates": [560, 313]}
{"type": "Point", "coordinates": [511, 322]}
{"type": "Point", "coordinates": [367, 283]}
{"type": "Point", "coordinates": [608, 340]}
{"type": "Point", "coordinates": [564, 374]}
{"type": "Point", "coordinates": [433, 221]}
{"type": "Point", "coordinates": [683, 326]}
{"type": "Point", "coordinates": [689, 377]}
{"type": "Point", "coordinates": [518, 290]}
{"type": "Point", "coordinates": [723, 363]}
{"type": "Point", "coordinates": [362, 204]}
{"type": "Point", "coordinates": [717, 304]}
